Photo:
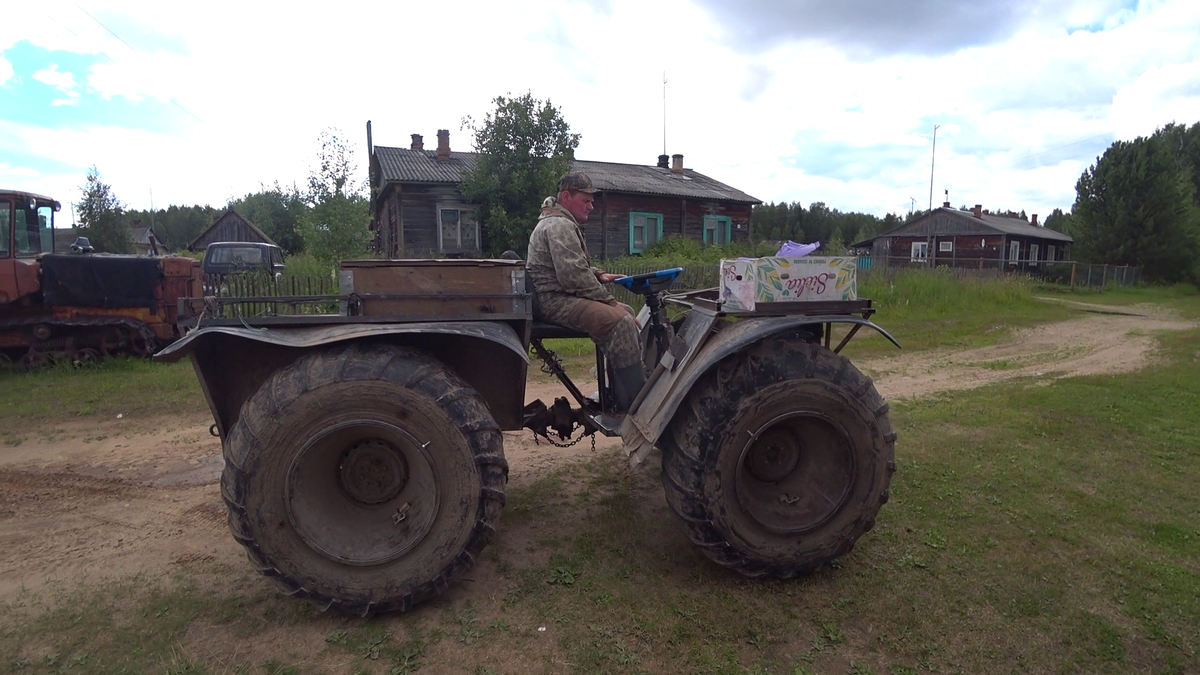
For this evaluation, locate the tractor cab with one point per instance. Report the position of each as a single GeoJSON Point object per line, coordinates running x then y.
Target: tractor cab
{"type": "Point", "coordinates": [26, 231]}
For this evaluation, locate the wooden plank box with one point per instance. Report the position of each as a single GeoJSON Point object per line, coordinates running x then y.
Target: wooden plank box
{"type": "Point", "coordinates": [437, 289]}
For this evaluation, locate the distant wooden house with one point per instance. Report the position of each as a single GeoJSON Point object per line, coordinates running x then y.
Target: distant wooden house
{"type": "Point", "coordinates": [974, 238]}
{"type": "Point", "coordinates": [145, 241]}
{"type": "Point", "coordinates": [229, 226]}
{"type": "Point", "coordinates": [417, 210]}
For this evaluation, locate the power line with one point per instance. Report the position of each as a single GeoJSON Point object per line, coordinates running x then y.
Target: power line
{"type": "Point", "coordinates": [135, 51]}
{"type": "Point", "coordinates": [107, 29]}
{"type": "Point", "coordinates": [1085, 140]}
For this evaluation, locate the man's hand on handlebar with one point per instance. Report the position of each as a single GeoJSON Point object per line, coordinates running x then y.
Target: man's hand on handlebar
{"type": "Point", "coordinates": [605, 277]}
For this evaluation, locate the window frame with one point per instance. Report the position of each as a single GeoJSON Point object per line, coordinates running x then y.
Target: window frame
{"type": "Point", "coordinates": [658, 234]}
{"type": "Point", "coordinates": [946, 246]}
{"type": "Point", "coordinates": [924, 256]}
{"type": "Point", "coordinates": [462, 210]}
{"type": "Point", "coordinates": [6, 228]}
{"type": "Point", "coordinates": [1033, 254]}
{"type": "Point", "coordinates": [717, 220]}
{"type": "Point", "coordinates": [1014, 252]}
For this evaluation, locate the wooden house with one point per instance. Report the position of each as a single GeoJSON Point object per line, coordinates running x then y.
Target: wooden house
{"type": "Point", "coordinates": [145, 241]}
{"type": "Point", "coordinates": [417, 210]}
{"type": "Point", "coordinates": [229, 226]}
{"type": "Point", "coordinates": [974, 238]}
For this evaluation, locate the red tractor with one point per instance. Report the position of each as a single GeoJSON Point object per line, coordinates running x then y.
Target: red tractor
{"type": "Point", "coordinates": [79, 305]}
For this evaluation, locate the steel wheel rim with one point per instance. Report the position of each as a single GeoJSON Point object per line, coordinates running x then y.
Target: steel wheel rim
{"type": "Point", "coordinates": [350, 501]}
{"type": "Point", "coordinates": [796, 472]}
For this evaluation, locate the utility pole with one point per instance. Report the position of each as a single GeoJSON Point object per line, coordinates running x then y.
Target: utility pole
{"type": "Point", "coordinates": [912, 204]}
{"type": "Point", "coordinates": [932, 157]}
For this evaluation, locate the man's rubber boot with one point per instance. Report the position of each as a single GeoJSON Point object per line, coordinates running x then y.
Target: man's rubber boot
{"type": "Point", "coordinates": [627, 383]}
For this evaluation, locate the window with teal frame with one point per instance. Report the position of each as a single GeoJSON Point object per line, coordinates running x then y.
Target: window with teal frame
{"type": "Point", "coordinates": [644, 230]}
{"type": "Point", "coordinates": [717, 229]}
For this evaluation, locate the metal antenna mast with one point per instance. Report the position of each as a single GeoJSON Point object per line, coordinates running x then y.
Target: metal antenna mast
{"type": "Point", "coordinates": [932, 156]}
{"type": "Point", "coordinates": [664, 112]}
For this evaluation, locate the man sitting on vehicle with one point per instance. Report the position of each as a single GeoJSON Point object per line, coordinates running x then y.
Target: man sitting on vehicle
{"type": "Point", "coordinates": [569, 291]}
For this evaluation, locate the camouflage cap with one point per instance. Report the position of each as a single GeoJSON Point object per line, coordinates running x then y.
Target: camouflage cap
{"type": "Point", "coordinates": [577, 181]}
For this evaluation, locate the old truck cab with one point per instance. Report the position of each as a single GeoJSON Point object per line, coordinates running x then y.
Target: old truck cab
{"type": "Point", "coordinates": [26, 231]}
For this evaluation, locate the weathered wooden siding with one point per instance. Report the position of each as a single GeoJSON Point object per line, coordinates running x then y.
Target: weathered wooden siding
{"type": "Point", "coordinates": [406, 219]}
{"type": "Point", "coordinates": [607, 230]}
{"type": "Point", "coordinates": [229, 227]}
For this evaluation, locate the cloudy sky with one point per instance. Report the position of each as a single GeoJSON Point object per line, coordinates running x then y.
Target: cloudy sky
{"type": "Point", "coordinates": [788, 100]}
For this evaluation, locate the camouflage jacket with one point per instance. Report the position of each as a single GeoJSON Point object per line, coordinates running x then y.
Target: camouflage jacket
{"type": "Point", "coordinates": [558, 262]}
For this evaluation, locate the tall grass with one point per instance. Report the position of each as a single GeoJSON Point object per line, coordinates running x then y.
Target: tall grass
{"type": "Point", "coordinates": [931, 294]}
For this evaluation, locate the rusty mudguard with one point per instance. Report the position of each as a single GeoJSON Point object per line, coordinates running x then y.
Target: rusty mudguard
{"type": "Point", "coordinates": [703, 340]}
{"type": "Point", "coordinates": [233, 362]}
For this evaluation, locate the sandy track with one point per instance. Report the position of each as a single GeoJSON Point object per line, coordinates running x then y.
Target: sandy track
{"type": "Point", "coordinates": [114, 497]}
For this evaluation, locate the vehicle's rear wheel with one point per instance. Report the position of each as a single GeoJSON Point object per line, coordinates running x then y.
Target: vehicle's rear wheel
{"type": "Point", "coordinates": [779, 459]}
{"type": "Point", "coordinates": [366, 478]}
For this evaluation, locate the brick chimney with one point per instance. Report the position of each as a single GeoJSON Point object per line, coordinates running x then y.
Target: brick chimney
{"type": "Point", "coordinates": [418, 143]}
{"type": "Point", "coordinates": [663, 162]}
{"type": "Point", "coordinates": [676, 163]}
{"type": "Point", "coordinates": [945, 205]}
{"type": "Point", "coordinates": [978, 210]}
{"type": "Point", "coordinates": [1033, 220]}
{"type": "Point", "coordinates": [443, 151]}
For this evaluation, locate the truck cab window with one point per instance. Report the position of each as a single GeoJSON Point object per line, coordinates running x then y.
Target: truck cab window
{"type": "Point", "coordinates": [33, 230]}
{"type": "Point", "coordinates": [5, 228]}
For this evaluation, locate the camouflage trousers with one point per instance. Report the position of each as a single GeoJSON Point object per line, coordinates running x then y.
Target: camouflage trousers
{"type": "Point", "coordinates": [611, 326]}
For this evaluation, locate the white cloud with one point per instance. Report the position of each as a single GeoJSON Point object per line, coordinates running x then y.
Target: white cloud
{"type": "Point", "coordinates": [1170, 93]}
{"type": "Point", "coordinates": [789, 120]}
{"type": "Point", "coordinates": [64, 82]}
{"type": "Point", "coordinates": [6, 70]}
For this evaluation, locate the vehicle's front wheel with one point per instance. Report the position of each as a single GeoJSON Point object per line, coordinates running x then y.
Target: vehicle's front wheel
{"type": "Point", "coordinates": [366, 478]}
{"type": "Point", "coordinates": [779, 459]}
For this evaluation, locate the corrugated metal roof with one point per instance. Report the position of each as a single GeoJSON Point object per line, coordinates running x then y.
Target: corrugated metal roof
{"type": "Point", "coordinates": [422, 166]}
{"type": "Point", "coordinates": [1016, 226]}
{"type": "Point", "coordinates": [985, 224]}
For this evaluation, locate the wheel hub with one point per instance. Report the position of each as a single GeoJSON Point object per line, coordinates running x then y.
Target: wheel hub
{"type": "Point", "coordinates": [795, 472]}
{"type": "Point", "coordinates": [373, 472]}
{"type": "Point", "coordinates": [774, 455]}
{"type": "Point", "coordinates": [363, 492]}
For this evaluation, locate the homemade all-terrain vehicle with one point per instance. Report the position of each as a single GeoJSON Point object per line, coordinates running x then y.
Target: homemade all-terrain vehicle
{"type": "Point", "coordinates": [364, 465]}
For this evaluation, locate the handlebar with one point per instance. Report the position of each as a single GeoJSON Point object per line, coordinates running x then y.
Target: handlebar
{"type": "Point", "coordinates": [651, 282]}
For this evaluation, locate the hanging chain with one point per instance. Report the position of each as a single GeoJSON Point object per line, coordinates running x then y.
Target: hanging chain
{"type": "Point", "coordinates": [556, 444]}
{"type": "Point", "coordinates": [546, 367]}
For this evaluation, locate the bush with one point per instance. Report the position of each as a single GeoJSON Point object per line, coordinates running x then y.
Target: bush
{"type": "Point", "coordinates": [307, 265]}
{"type": "Point", "coordinates": [677, 251]}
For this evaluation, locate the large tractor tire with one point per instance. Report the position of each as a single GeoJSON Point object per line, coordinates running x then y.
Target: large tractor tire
{"type": "Point", "coordinates": [365, 478]}
{"type": "Point", "coordinates": [779, 459]}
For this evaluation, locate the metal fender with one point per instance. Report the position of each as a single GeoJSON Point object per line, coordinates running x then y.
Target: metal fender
{"type": "Point", "coordinates": [702, 342]}
{"type": "Point", "coordinates": [233, 362]}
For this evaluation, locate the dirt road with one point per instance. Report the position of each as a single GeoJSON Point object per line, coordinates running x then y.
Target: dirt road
{"type": "Point", "coordinates": [108, 498]}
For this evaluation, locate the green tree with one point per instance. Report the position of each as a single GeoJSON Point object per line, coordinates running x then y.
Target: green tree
{"type": "Point", "coordinates": [835, 245]}
{"type": "Point", "coordinates": [337, 224]}
{"type": "Point", "coordinates": [279, 212]}
{"type": "Point", "coordinates": [102, 216]}
{"type": "Point", "coordinates": [1059, 222]}
{"type": "Point", "coordinates": [1137, 205]}
{"type": "Point", "coordinates": [524, 145]}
